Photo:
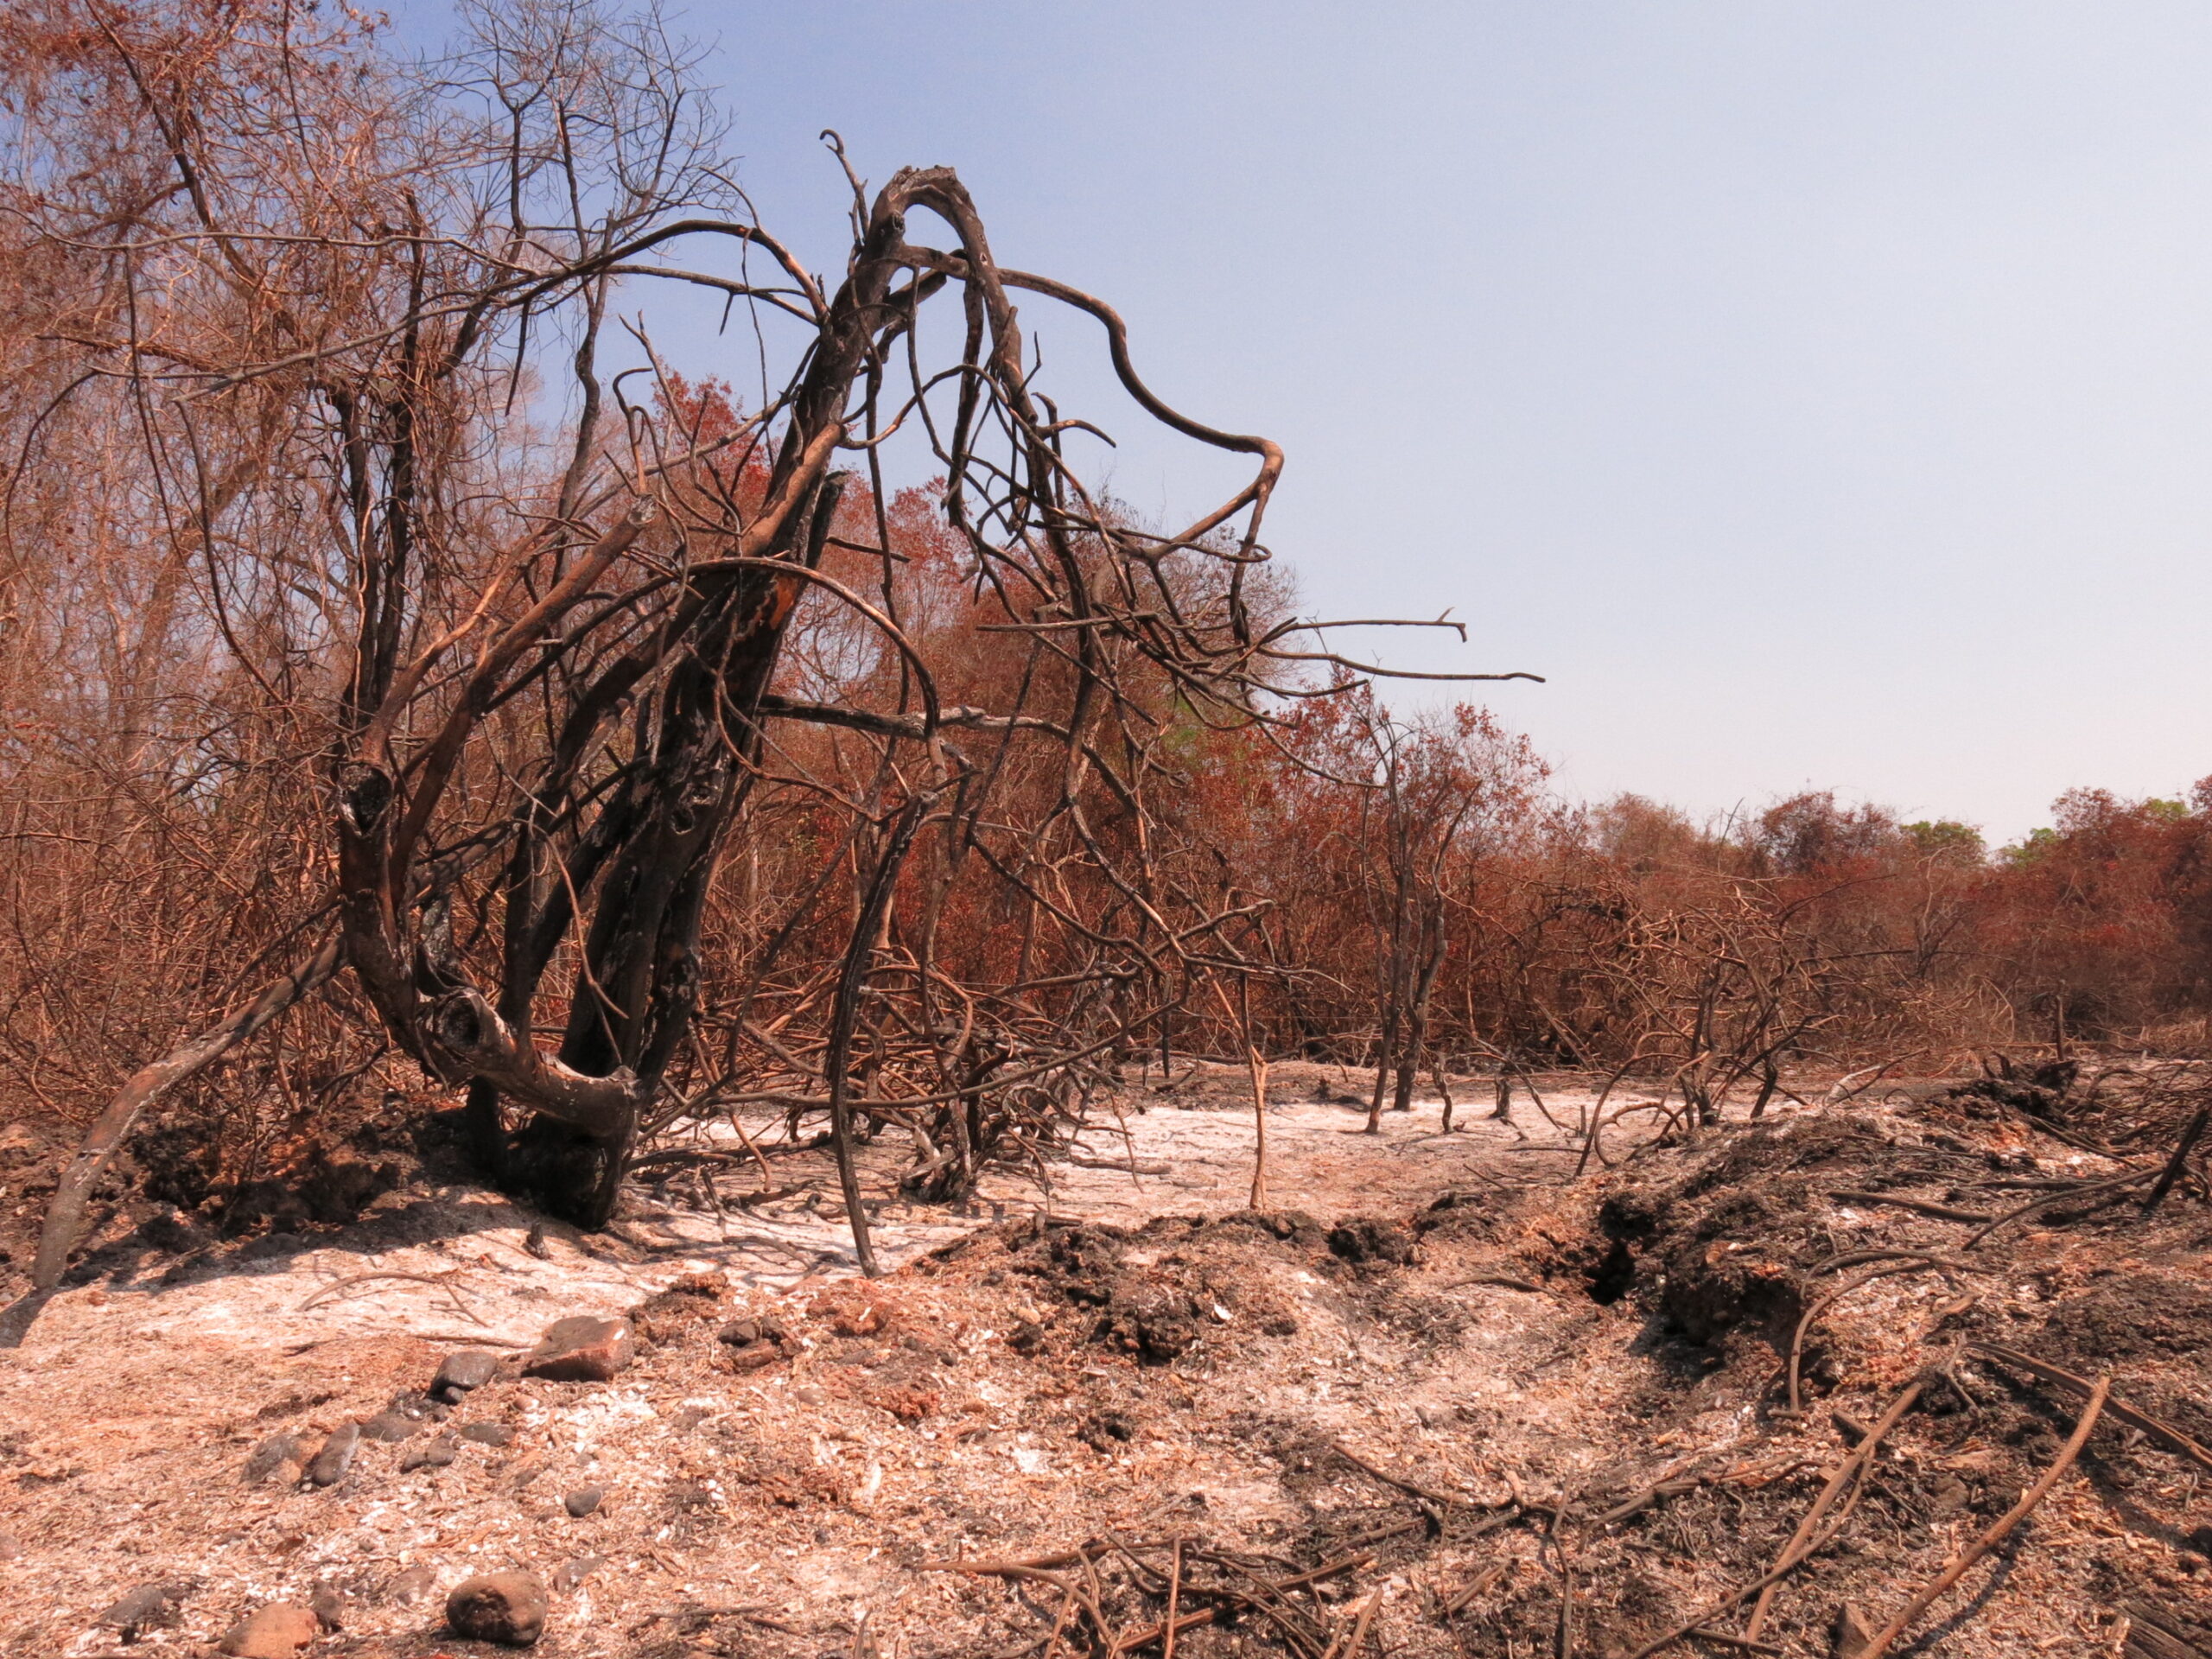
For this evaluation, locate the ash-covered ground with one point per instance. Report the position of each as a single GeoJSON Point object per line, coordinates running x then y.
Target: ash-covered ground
{"type": "Point", "coordinates": [1468, 1394]}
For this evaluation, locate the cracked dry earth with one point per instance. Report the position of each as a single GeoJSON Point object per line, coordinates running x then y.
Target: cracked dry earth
{"type": "Point", "coordinates": [1442, 1397]}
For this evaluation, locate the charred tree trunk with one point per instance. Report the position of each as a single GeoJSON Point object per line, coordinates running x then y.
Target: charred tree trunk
{"type": "Point", "coordinates": [639, 871]}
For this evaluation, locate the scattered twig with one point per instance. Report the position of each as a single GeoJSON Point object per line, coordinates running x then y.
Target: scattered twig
{"type": "Point", "coordinates": [1919, 1206]}
{"type": "Point", "coordinates": [1559, 1543]}
{"type": "Point", "coordinates": [1349, 1647]}
{"type": "Point", "coordinates": [1850, 1083]}
{"type": "Point", "coordinates": [2164, 1434]}
{"type": "Point", "coordinates": [1805, 1324]}
{"type": "Point", "coordinates": [1202, 1616]}
{"type": "Point", "coordinates": [2056, 1133]}
{"type": "Point", "coordinates": [1741, 1643]}
{"type": "Point", "coordinates": [1887, 1636]}
{"type": "Point", "coordinates": [987, 1568]}
{"type": "Point", "coordinates": [1475, 1587]}
{"type": "Point", "coordinates": [1802, 1542]}
{"type": "Point", "coordinates": [471, 1338]}
{"type": "Point", "coordinates": [1502, 1281]}
{"type": "Point", "coordinates": [1174, 1596]}
{"type": "Point", "coordinates": [1411, 1489]}
{"type": "Point", "coordinates": [1122, 1165]}
{"type": "Point", "coordinates": [1650, 1495]}
{"type": "Point", "coordinates": [1060, 1624]}
{"type": "Point", "coordinates": [2179, 1161]}
{"type": "Point", "coordinates": [437, 1282]}
{"type": "Point", "coordinates": [2051, 1199]}
{"type": "Point", "coordinates": [65, 1210]}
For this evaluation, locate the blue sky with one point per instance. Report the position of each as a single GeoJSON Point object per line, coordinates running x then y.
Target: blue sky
{"type": "Point", "coordinates": [1818, 395]}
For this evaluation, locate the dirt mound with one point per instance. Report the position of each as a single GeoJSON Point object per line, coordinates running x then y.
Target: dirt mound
{"type": "Point", "coordinates": [1364, 1239]}
{"type": "Point", "coordinates": [1461, 1218]}
{"type": "Point", "coordinates": [1717, 1246]}
{"type": "Point", "coordinates": [1158, 1291]}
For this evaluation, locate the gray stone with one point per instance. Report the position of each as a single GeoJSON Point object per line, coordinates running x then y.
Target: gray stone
{"type": "Point", "coordinates": [431, 1454]}
{"type": "Point", "coordinates": [148, 1607]}
{"type": "Point", "coordinates": [391, 1428]}
{"type": "Point", "coordinates": [336, 1457]}
{"type": "Point", "coordinates": [276, 1631]}
{"type": "Point", "coordinates": [279, 1454]}
{"type": "Point", "coordinates": [488, 1434]}
{"type": "Point", "coordinates": [508, 1608]}
{"type": "Point", "coordinates": [463, 1369]}
{"type": "Point", "coordinates": [584, 1501]}
{"type": "Point", "coordinates": [582, 1350]}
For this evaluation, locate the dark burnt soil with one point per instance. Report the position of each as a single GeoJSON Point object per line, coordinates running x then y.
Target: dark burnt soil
{"type": "Point", "coordinates": [1531, 1414]}
{"type": "Point", "coordinates": [1733, 1243]}
{"type": "Point", "coordinates": [177, 1187]}
{"type": "Point", "coordinates": [1643, 1447]}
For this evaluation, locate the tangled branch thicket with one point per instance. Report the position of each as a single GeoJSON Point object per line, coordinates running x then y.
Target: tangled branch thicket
{"type": "Point", "coordinates": [381, 609]}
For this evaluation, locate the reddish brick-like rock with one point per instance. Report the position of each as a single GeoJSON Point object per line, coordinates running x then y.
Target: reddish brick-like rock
{"type": "Point", "coordinates": [582, 1350]}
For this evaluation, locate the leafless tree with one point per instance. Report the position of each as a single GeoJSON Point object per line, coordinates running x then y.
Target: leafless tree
{"type": "Point", "coordinates": [556, 630]}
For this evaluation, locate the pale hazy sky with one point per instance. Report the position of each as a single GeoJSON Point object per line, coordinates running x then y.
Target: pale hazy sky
{"type": "Point", "coordinates": [1817, 394]}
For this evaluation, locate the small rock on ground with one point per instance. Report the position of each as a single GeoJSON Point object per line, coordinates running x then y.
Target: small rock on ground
{"type": "Point", "coordinates": [508, 1608]}
{"type": "Point", "coordinates": [336, 1457]}
{"type": "Point", "coordinates": [278, 1453]}
{"type": "Point", "coordinates": [431, 1454]}
{"type": "Point", "coordinates": [584, 1501]}
{"type": "Point", "coordinates": [391, 1428]}
{"type": "Point", "coordinates": [582, 1350]}
{"type": "Point", "coordinates": [488, 1434]}
{"type": "Point", "coordinates": [463, 1369]}
{"type": "Point", "coordinates": [276, 1631]}
{"type": "Point", "coordinates": [525, 1471]}
{"type": "Point", "coordinates": [753, 1356]}
{"type": "Point", "coordinates": [148, 1607]}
